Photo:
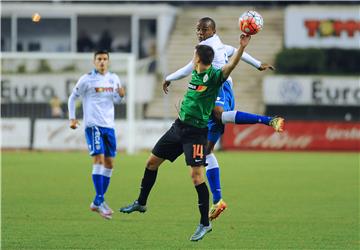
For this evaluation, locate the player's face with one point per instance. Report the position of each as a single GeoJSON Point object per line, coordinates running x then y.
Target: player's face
{"type": "Point", "coordinates": [101, 63]}
{"type": "Point", "coordinates": [204, 30]}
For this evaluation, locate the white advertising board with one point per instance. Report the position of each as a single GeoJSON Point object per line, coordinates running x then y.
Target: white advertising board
{"type": "Point", "coordinates": [36, 88]}
{"type": "Point", "coordinates": [15, 133]}
{"type": "Point", "coordinates": [40, 88]}
{"type": "Point", "coordinates": [311, 90]}
{"type": "Point", "coordinates": [56, 134]}
{"type": "Point", "coordinates": [322, 26]}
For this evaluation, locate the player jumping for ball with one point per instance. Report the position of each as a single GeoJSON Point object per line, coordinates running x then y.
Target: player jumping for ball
{"type": "Point", "coordinates": [224, 106]}
{"type": "Point", "coordinates": [188, 134]}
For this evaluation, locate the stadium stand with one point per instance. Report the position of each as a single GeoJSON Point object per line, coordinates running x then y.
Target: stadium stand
{"type": "Point", "coordinates": [247, 81]}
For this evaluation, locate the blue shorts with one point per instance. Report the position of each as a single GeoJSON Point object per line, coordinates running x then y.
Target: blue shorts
{"type": "Point", "coordinates": [226, 100]}
{"type": "Point", "coordinates": [101, 141]}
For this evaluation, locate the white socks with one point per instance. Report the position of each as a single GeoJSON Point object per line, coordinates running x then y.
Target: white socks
{"type": "Point", "coordinates": [106, 172]}
{"type": "Point", "coordinates": [228, 117]}
{"type": "Point", "coordinates": [211, 162]}
{"type": "Point", "coordinates": [97, 169]}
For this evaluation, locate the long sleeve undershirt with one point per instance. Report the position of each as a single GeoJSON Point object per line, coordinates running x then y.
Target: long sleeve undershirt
{"type": "Point", "coordinates": [188, 68]}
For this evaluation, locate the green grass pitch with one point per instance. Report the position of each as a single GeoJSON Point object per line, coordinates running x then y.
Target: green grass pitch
{"type": "Point", "coordinates": [276, 200]}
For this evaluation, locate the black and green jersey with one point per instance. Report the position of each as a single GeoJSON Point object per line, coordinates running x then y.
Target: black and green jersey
{"type": "Point", "coordinates": [199, 100]}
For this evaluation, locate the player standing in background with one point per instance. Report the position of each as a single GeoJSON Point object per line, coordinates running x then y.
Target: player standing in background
{"type": "Point", "coordinates": [188, 134]}
{"type": "Point", "coordinates": [99, 90]}
{"type": "Point", "coordinates": [224, 105]}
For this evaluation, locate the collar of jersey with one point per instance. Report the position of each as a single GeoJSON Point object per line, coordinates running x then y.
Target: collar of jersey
{"type": "Point", "coordinates": [206, 71]}
{"type": "Point", "coordinates": [95, 72]}
{"type": "Point", "coordinates": [215, 36]}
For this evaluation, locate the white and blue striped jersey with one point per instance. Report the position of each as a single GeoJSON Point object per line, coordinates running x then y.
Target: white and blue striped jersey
{"type": "Point", "coordinates": [98, 94]}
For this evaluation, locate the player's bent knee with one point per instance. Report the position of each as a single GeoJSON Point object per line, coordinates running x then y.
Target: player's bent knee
{"type": "Point", "coordinates": [197, 180]}
{"type": "Point", "coordinates": [154, 162]}
{"type": "Point", "coordinates": [109, 163]}
{"type": "Point", "coordinates": [98, 159]}
{"type": "Point", "coordinates": [197, 175]}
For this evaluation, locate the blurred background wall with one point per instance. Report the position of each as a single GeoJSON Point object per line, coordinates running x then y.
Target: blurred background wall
{"type": "Point", "coordinates": [313, 45]}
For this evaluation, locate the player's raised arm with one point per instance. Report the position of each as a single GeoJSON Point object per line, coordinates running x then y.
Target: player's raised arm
{"type": "Point", "coordinates": [228, 68]}
{"type": "Point", "coordinates": [246, 57]}
{"type": "Point", "coordinates": [179, 74]}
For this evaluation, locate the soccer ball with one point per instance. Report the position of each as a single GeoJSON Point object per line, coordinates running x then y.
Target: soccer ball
{"type": "Point", "coordinates": [251, 22]}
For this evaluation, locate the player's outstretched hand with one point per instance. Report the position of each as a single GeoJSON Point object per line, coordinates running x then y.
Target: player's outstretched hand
{"type": "Point", "coordinates": [166, 86]}
{"type": "Point", "coordinates": [74, 124]}
{"type": "Point", "coordinates": [265, 66]}
{"type": "Point", "coordinates": [244, 40]}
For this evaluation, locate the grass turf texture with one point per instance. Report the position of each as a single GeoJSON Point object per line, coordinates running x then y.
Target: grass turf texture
{"type": "Point", "coordinates": [275, 201]}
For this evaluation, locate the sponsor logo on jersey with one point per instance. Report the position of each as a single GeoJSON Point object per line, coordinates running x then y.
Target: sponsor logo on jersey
{"type": "Point", "coordinates": [197, 88]}
{"type": "Point", "coordinates": [101, 89]}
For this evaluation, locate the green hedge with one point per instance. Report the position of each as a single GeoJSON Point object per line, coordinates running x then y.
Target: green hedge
{"type": "Point", "coordinates": [318, 61]}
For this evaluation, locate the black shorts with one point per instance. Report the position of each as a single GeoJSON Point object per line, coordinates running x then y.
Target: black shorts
{"type": "Point", "coordinates": [183, 138]}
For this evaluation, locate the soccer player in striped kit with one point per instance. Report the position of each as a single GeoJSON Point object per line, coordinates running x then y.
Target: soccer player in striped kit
{"type": "Point", "coordinates": [99, 90]}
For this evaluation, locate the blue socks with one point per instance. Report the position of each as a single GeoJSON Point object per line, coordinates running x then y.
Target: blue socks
{"type": "Point", "coordinates": [101, 179]}
{"type": "Point", "coordinates": [239, 117]}
{"type": "Point", "coordinates": [106, 174]}
{"type": "Point", "coordinates": [213, 176]}
{"type": "Point", "coordinates": [98, 184]}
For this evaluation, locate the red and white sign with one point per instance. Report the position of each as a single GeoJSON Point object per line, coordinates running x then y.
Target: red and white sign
{"type": "Point", "coordinates": [322, 26]}
{"type": "Point", "coordinates": [298, 135]}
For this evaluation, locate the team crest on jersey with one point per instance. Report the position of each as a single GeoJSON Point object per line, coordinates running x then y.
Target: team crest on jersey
{"type": "Point", "coordinates": [206, 77]}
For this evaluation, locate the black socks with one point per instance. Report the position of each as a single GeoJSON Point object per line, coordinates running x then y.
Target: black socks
{"type": "Point", "coordinates": [147, 183]}
{"type": "Point", "coordinates": [203, 196]}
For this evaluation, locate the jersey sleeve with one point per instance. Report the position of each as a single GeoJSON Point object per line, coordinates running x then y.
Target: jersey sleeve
{"type": "Point", "coordinates": [219, 77]}
{"type": "Point", "coordinates": [230, 50]}
{"type": "Point", "coordinates": [117, 84]}
{"type": "Point", "coordinates": [80, 87]}
{"type": "Point", "coordinates": [78, 91]}
{"type": "Point", "coordinates": [181, 73]}
{"type": "Point", "coordinates": [250, 60]}
{"type": "Point", "coordinates": [117, 81]}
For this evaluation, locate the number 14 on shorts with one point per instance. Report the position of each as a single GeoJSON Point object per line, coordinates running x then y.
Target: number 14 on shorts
{"type": "Point", "coordinates": [198, 151]}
